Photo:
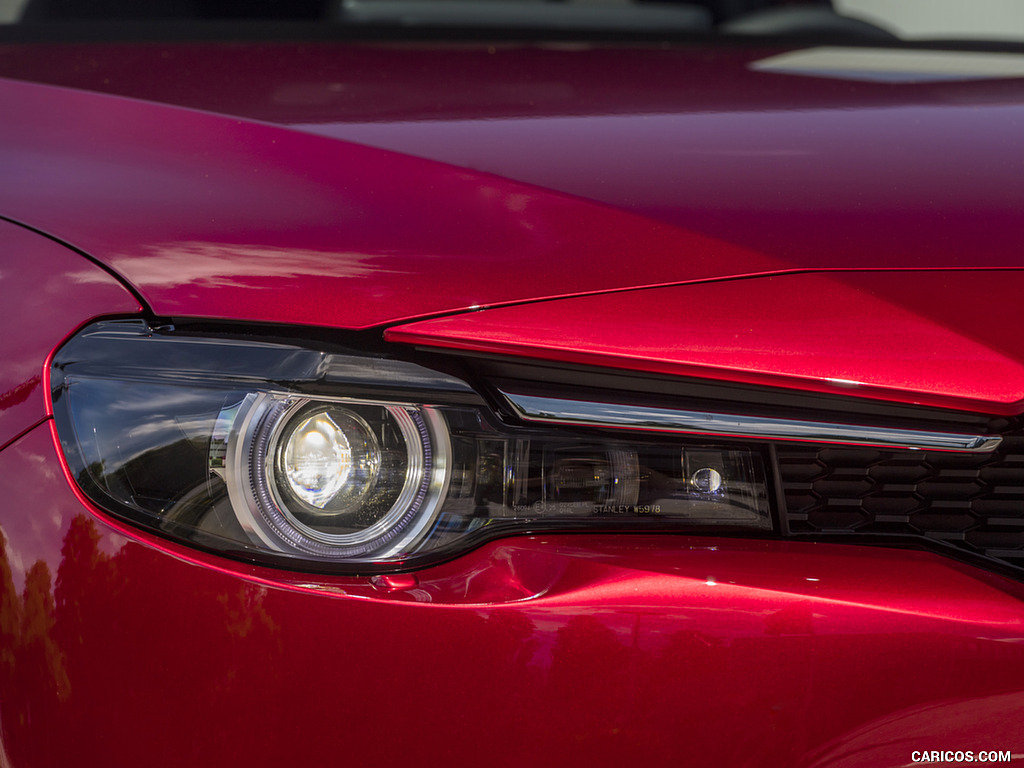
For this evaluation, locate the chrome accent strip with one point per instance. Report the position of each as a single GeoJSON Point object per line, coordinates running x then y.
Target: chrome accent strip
{"type": "Point", "coordinates": [557, 411]}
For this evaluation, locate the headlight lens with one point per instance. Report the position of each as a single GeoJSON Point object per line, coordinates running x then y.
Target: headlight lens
{"type": "Point", "coordinates": [300, 457]}
{"type": "Point", "coordinates": [332, 480]}
{"type": "Point", "coordinates": [329, 453]}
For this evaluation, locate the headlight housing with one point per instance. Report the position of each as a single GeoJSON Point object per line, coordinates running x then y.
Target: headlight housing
{"type": "Point", "coordinates": [296, 456]}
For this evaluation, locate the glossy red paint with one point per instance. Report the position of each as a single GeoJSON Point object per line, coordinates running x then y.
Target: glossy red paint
{"type": "Point", "coordinates": [214, 217]}
{"type": "Point", "coordinates": [121, 648]}
{"type": "Point", "coordinates": [658, 649]}
{"type": "Point", "coordinates": [805, 170]}
{"type": "Point", "coordinates": [916, 337]}
{"type": "Point", "coordinates": [49, 290]}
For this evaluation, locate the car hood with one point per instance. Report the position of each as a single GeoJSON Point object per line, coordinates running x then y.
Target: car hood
{"type": "Point", "coordinates": [362, 185]}
{"type": "Point", "coordinates": [904, 336]}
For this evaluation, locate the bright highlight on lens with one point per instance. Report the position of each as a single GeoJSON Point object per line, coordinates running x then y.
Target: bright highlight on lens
{"type": "Point", "coordinates": [706, 480]}
{"type": "Point", "coordinates": [317, 460]}
{"type": "Point", "coordinates": [328, 462]}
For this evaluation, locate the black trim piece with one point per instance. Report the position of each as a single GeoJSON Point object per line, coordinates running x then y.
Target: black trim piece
{"type": "Point", "coordinates": [283, 30]}
{"type": "Point", "coordinates": [581, 382]}
{"type": "Point", "coordinates": [779, 505]}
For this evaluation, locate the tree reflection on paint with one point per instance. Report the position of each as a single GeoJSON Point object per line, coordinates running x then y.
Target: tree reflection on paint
{"type": "Point", "coordinates": [32, 664]}
{"type": "Point", "coordinates": [65, 635]}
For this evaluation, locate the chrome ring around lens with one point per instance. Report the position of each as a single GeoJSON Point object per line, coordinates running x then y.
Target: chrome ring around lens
{"type": "Point", "coordinates": [438, 444]}
{"type": "Point", "coordinates": [263, 420]}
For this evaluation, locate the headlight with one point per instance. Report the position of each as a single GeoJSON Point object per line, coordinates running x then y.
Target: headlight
{"type": "Point", "coordinates": [312, 459]}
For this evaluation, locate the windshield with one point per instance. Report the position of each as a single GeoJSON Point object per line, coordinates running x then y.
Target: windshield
{"type": "Point", "coordinates": [867, 21]}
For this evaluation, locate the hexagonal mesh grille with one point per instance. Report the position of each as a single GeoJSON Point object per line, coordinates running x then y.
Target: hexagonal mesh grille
{"type": "Point", "coordinates": [974, 501]}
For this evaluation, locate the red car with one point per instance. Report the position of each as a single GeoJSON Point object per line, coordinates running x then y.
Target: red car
{"type": "Point", "coordinates": [505, 389]}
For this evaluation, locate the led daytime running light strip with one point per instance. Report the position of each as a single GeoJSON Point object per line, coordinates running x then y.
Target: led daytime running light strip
{"type": "Point", "coordinates": [583, 413]}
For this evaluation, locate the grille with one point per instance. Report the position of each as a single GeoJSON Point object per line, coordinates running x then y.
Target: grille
{"type": "Point", "coordinates": [972, 501]}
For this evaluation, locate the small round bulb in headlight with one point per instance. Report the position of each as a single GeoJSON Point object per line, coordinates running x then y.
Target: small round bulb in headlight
{"type": "Point", "coordinates": [328, 459]}
{"type": "Point", "coordinates": [317, 460]}
{"type": "Point", "coordinates": [706, 480]}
